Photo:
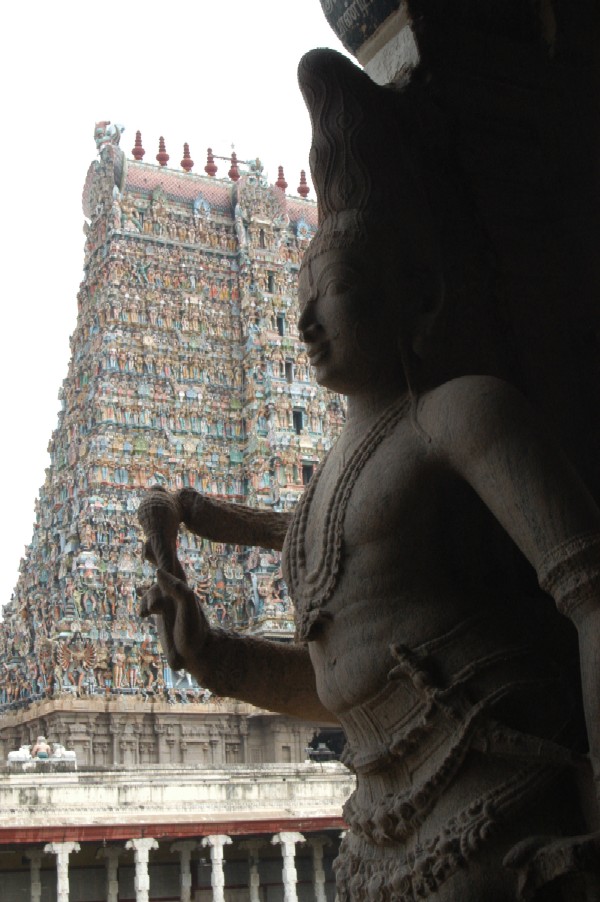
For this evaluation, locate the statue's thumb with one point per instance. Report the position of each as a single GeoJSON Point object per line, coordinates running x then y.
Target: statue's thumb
{"type": "Point", "coordinates": [169, 584]}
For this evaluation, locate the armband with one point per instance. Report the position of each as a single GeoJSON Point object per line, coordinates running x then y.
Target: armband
{"type": "Point", "coordinates": [570, 572]}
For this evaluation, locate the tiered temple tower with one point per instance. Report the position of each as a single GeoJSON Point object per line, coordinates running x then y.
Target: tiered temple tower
{"type": "Point", "coordinates": [186, 370]}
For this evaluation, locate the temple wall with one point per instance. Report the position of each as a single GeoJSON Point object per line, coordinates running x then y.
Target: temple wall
{"type": "Point", "coordinates": [133, 733]}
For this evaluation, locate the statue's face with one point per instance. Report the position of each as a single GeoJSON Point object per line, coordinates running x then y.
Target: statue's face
{"type": "Point", "coordinates": [340, 323]}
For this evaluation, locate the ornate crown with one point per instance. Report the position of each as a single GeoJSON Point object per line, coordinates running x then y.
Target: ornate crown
{"type": "Point", "coordinates": [360, 159]}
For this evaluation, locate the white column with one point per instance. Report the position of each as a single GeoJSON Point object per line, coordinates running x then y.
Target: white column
{"type": "Point", "coordinates": [217, 875]}
{"type": "Point", "coordinates": [141, 849]}
{"type": "Point", "coordinates": [288, 850]}
{"type": "Point", "coordinates": [111, 856]}
{"type": "Point", "coordinates": [35, 857]}
{"type": "Point", "coordinates": [62, 850]}
{"type": "Point", "coordinates": [252, 846]}
{"type": "Point", "coordinates": [317, 844]}
{"type": "Point", "coordinates": [185, 850]}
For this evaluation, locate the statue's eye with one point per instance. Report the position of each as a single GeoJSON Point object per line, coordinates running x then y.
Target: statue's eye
{"type": "Point", "coordinates": [337, 286]}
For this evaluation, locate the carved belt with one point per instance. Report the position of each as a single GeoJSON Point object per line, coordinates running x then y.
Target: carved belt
{"type": "Point", "coordinates": [413, 737]}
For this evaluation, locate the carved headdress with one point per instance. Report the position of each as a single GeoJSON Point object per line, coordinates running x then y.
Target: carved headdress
{"type": "Point", "coordinates": [388, 178]}
{"type": "Point", "coordinates": [365, 176]}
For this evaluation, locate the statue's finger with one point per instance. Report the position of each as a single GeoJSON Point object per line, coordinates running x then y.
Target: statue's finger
{"type": "Point", "coordinates": [154, 602]}
{"type": "Point", "coordinates": [165, 635]}
{"type": "Point", "coordinates": [148, 553]}
{"type": "Point", "coordinates": [171, 585]}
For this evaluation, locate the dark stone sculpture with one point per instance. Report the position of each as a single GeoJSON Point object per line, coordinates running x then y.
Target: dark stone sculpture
{"type": "Point", "coordinates": [423, 555]}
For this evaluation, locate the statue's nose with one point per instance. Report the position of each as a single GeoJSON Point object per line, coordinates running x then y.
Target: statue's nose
{"type": "Point", "coordinates": [306, 322]}
{"type": "Point", "coordinates": [308, 332]}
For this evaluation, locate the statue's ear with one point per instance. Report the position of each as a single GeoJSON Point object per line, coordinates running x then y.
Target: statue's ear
{"type": "Point", "coordinates": [429, 289]}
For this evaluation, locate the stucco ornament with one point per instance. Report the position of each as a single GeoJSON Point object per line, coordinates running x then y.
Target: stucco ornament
{"type": "Point", "coordinates": [106, 133]}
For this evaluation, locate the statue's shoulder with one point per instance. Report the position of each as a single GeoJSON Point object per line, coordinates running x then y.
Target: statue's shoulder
{"type": "Point", "coordinates": [471, 391]}
{"type": "Point", "coordinates": [471, 411]}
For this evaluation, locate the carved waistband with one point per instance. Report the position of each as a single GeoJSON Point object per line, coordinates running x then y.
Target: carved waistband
{"type": "Point", "coordinates": [418, 712]}
{"type": "Point", "coordinates": [414, 736]}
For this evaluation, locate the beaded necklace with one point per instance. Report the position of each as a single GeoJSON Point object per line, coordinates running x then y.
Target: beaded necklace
{"type": "Point", "coordinates": [312, 590]}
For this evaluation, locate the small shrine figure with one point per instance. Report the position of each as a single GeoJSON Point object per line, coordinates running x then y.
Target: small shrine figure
{"type": "Point", "coordinates": [41, 748]}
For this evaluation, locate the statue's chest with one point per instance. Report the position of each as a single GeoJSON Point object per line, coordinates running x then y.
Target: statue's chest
{"type": "Point", "coordinates": [319, 511]}
{"type": "Point", "coordinates": [350, 518]}
{"type": "Point", "coordinates": [344, 504]}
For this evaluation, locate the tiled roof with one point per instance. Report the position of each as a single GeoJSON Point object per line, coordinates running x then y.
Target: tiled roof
{"type": "Point", "coordinates": [181, 186]}
{"type": "Point", "coordinates": [298, 209]}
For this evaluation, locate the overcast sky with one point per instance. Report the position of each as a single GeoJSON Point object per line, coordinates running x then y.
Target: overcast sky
{"type": "Point", "coordinates": [212, 74]}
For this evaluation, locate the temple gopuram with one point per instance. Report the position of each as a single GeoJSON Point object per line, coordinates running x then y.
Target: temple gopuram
{"type": "Point", "coordinates": [123, 779]}
{"type": "Point", "coordinates": [186, 370]}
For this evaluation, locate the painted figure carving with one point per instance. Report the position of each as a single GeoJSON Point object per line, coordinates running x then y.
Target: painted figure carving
{"type": "Point", "coordinates": [106, 133]}
{"type": "Point", "coordinates": [412, 558]}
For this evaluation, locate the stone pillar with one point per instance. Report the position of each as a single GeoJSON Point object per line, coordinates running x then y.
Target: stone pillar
{"type": "Point", "coordinates": [217, 876]}
{"type": "Point", "coordinates": [342, 835]}
{"type": "Point", "coordinates": [317, 844]}
{"type": "Point", "coordinates": [62, 850]}
{"type": "Point", "coordinates": [185, 850]}
{"type": "Point", "coordinates": [111, 856]}
{"type": "Point", "coordinates": [288, 850]}
{"type": "Point", "coordinates": [142, 848]}
{"type": "Point", "coordinates": [35, 857]}
{"type": "Point", "coordinates": [244, 741]}
{"type": "Point", "coordinates": [252, 846]}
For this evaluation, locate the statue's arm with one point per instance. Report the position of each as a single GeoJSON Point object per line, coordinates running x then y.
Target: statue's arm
{"type": "Point", "coordinates": [273, 675]}
{"type": "Point", "coordinates": [162, 512]}
{"type": "Point", "coordinates": [270, 675]}
{"type": "Point", "coordinates": [237, 524]}
{"type": "Point", "coordinates": [486, 432]}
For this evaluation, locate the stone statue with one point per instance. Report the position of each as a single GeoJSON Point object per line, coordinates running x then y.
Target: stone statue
{"type": "Point", "coordinates": [413, 555]}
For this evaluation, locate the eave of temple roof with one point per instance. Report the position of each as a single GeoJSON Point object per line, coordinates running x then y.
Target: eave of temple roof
{"type": "Point", "coordinates": [144, 178]}
{"type": "Point", "coordinates": [298, 209]}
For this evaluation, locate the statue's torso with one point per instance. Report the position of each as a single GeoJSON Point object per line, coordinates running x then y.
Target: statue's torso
{"type": "Point", "coordinates": [415, 649]}
{"type": "Point", "coordinates": [418, 556]}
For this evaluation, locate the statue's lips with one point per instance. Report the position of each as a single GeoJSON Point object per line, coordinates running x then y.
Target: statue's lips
{"type": "Point", "coordinates": [316, 353]}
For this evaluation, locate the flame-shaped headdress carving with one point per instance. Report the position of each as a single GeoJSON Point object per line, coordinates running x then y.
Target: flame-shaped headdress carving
{"type": "Point", "coordinates": [361, 160]}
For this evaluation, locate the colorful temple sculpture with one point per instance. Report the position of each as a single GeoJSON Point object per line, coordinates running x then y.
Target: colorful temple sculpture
{"type": "Point", "coordinates": [186, 370]}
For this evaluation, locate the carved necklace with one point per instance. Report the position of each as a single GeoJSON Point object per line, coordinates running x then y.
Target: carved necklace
{"type": "Point", "coordinates": [312, 590]}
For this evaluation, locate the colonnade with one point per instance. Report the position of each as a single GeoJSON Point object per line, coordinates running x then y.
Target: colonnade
{"type": "Point", "coordinates": [214, 843]}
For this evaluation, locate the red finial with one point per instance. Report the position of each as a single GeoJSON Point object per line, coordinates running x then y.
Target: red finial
{"type": "Point", "coordinates": [303, 188]}
{"type": "Point", "coordinates": [138, 151]}
{"type": "Point", "coordinates": [281, 182]}
{"type": "Point", "coordinates": [187, 161]}
{"type": "Point", "coordinates": [211, 166]}
{"type": "Point", "coordinates": [234, 172]}
{"type": "Point", "coordinates": [162, 156]}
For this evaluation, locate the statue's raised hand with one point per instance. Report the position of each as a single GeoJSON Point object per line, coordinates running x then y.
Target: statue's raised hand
{"type": "Point", "coordinates": [159, 515]}
{"type": "Point", "coordinates": [182, 627]}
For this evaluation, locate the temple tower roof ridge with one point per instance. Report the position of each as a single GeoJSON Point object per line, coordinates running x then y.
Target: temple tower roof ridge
{"type": "Point", "coordinates": [218, 182]}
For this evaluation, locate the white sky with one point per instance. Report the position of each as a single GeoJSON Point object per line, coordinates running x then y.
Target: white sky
{"type": "Point", "coordinates": [200, 71]}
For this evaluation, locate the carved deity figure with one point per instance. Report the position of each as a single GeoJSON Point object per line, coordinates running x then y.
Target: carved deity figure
{"type": "Point", "coordinates": [412, 560]}
{"type": "Point", "coordinates": [106, 133]}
